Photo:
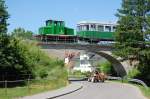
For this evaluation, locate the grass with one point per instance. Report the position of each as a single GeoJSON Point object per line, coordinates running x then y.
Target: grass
{"type": "Point", "coordinates": [33, 88]}
{"type": "Point", "coordinates": [146, 92]}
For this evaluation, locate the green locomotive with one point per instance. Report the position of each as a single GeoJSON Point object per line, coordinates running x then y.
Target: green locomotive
{"type": "Point", "coordinates": [56, 30]}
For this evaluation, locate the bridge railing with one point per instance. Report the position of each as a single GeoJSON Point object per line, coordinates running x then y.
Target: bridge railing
{"type": "Point", "coordinates": [78, 43]}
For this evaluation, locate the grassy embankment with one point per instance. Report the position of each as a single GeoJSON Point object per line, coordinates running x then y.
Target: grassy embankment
{"type": "Point", "coordinates": [146, 92]}
{"type": "Point", "coordinates": [33, 88]}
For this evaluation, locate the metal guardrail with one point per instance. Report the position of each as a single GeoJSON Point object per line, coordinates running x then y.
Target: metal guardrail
{"type": "Point", "coordinates": [77, 77]}
{"type": "Point", "coordinates": [138, 81]}
{"type": "Point", "coordinates": [72, 77]}
{"type": "Point", "coordinates": [129, 80]}
{"type": "Point", "coordinates": [113, 78]}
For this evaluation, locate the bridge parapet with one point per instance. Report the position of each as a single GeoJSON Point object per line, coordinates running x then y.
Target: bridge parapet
{"type": "Point", "coordinates": [87, 47]}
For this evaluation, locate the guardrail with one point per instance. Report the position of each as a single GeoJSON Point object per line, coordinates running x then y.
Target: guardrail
{"type": "Point", "coordinates": [138, 81]}
{"type": "Point", "coordinates": [73, 77]}
{"type": "Point", "coordinates": [129, 80]}
{"type": "Point", "coordinates": [77, 78]}
{"type": "Point", "coordinates": [113, 78]}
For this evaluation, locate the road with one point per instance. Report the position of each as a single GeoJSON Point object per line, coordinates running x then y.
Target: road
{"type": "Point", "coordinates": [107, 90]}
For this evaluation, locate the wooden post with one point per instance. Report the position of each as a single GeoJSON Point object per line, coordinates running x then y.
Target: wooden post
{"type": "Point", "coordinates": [6, 88]}
{"type": "Point", "coordinates": [29, 85]}
{"type": "Point", "coordinates": [44, 84]}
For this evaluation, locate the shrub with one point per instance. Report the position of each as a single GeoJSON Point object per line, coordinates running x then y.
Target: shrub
{"type": "Point", "coordinates": [43, 73]}
{"type": "Point", "coordinates": [105, 67]}
{"type": "Point", "coordinates": [133, 73]}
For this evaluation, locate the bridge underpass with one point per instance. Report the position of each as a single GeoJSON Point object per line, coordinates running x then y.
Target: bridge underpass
{"type": "Point", "coordinates": [121, 68]}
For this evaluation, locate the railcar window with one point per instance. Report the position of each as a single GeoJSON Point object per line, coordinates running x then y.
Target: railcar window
{"type": "Point", "coordinates": [108, 28]}
{"type": "Point", "coordinates": [100, 28]}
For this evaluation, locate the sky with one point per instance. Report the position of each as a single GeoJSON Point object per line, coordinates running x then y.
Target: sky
{"type": "Point", "coordinates": [32, 14]}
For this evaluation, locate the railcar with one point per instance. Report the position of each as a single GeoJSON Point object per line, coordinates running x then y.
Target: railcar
{"type": "Point", "coordinates": [95, 31]}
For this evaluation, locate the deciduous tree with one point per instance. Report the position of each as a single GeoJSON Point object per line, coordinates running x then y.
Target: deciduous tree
{"type": "Point", "coordinates": [22, 33]}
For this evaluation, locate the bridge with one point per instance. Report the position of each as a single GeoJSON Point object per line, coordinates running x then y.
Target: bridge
{"type": "Point", "coordinates": [121, 68]}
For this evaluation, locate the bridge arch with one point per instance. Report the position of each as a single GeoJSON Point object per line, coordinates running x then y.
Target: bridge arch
{"type": "Point", "coordinates": [100, 50]}
{"type": "Point", "coordinates": [118, 67]}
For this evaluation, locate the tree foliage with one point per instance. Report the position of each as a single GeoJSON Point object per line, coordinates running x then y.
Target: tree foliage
{"type": "Point", "coordinates": [23, 57]}
{"type": "Point", "coordinates": [22, 33]}
{"type": "Point", "coordinates": [20, 57]}
{"type": "Point", "coordinates": [3, 17]}
{"type": "Point", "coordinates": [107, 68]}
{"type": "Point", "coordinates": [144, 65]}
{"type": "Point", "coordinates": [133, 33]}
{"type": "Point", "coordinates": [14, 59]}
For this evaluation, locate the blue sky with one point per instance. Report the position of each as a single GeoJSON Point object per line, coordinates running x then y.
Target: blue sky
{"type": "Point", "coordinates": [31, 14]}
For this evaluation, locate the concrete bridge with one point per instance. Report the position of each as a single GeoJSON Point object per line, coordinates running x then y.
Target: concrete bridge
{"type": "Point", "coordinates": [121, 68]}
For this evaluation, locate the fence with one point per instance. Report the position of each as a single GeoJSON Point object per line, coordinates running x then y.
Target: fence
{"type": "Point", "coordinates": [20, 88]}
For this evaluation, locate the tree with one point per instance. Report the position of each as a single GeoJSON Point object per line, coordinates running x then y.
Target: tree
{"type": "Point", "coordinates": [132, 31]}
{"type": "Point", "coordinates": [19, 57]}
{"type": "Point", "coordinates": [144, 65]}
{"type": "Point", "coordinates": [3, 17]}
{"type": "Point", "coordinates": [132, 27]}
{"type": "Point", "coordinates": [22, 33]}
{"type": "Point", "coordinates": [13, 58]}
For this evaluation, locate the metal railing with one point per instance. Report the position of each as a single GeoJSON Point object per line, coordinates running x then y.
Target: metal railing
{"type": "Point", "coordinates": [138, 81]}
{"type": "Point", "coordinates": [129, 80]}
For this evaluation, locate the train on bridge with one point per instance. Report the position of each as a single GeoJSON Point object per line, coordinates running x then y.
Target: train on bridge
{"type": "Point", "coordinates": [87, 31]}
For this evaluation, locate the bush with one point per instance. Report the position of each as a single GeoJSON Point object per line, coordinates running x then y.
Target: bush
{"type": "Point", "coordinates": [105, 67]}
{"type": "Point", "coordinates": [43, 73]}
{"type": "Point", "coordinates": [133, 73]}
{"type": "Point", "coordinates": [77, 72]}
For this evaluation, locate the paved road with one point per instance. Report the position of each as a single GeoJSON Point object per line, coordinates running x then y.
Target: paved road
{"type": "Point", "coordinates": [108, 90]}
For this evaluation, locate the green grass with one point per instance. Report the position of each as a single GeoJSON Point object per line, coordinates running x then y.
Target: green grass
{"type": "Point", "coordinates": [146, 92]}
{"type": "Point", "coordinates": [33, 88]}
